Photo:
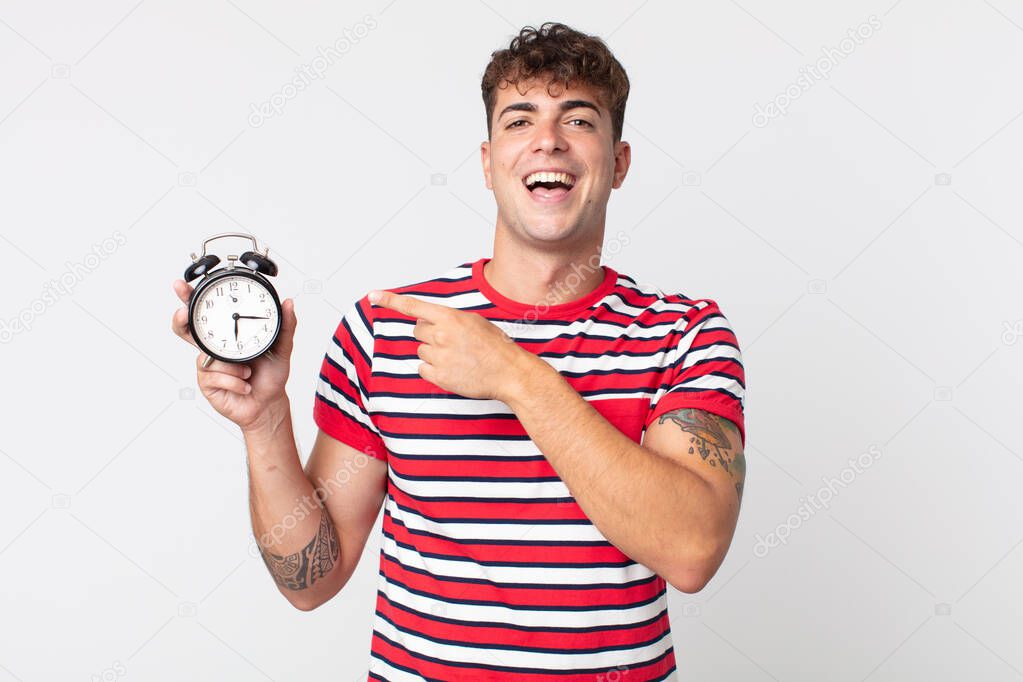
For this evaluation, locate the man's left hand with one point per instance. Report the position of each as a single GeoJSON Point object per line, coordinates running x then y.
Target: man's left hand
{"type": "Point", "coordinates": [462, 352]}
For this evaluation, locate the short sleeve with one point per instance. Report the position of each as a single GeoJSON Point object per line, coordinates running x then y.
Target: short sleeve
{"type": "Point", "coordinates": [704, 369]}
{"type": "Point", "coordinates": [342, 390]}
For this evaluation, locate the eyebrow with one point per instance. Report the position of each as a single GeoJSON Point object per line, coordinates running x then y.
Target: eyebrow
{"type": "Point", "coordinates": [565, 106]}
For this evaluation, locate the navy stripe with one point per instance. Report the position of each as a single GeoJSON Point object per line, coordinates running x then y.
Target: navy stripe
{"type": "Point", "coordinates": [524, 628]}
{"type": "Point", "coordinates": [511, 669]}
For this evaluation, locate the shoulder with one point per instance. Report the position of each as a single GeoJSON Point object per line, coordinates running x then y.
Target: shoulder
{"type": "Point", "coordinates": [651, 300]}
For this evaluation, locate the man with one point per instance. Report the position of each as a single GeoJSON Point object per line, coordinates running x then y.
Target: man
{"type": "Point", "coordinates": [552, 442]}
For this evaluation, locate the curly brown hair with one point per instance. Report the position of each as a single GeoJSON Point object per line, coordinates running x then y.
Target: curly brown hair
{"type": "Point", "coordinates": [562, 55]}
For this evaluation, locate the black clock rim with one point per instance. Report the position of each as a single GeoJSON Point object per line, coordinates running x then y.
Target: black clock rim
{"type": "Point", "coordinates": [209, 280]}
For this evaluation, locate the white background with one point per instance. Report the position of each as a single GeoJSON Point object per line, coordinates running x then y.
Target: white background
{"type": "Point", "coordinates": [865, 247]}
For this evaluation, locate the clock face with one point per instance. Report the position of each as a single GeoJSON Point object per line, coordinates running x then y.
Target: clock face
{"type": "Point", "coordinates": [236, 317]}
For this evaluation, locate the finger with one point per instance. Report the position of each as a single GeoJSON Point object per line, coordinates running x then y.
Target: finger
{"type": "Point", "coordinates": [424, 331]}
{"type": "Point", "coordinates": [179, 323]}
{"type": "Point", "coordinates": [183, 290]}
{"type": "Point", "coordinates": [239, 370]}
{"type": "Point", "coordinates": [289, 321]}
{"type": "Point", "coordinates": [210, 380]}
{"type": "Point", "coordinates": [407, 305]}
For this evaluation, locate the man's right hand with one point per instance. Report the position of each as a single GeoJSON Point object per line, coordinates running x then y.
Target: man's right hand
{"type": "Point", "coordinates": [252, 394]}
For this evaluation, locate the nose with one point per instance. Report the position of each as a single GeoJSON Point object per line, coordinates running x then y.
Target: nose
{"type": "Point", "coordinates": [549, 136]}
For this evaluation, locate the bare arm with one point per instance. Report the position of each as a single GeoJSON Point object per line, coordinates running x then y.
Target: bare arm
{"type": "Point", "coordinates": [650, 500]}
{"type": "Point", "coordinates": [311, 526]}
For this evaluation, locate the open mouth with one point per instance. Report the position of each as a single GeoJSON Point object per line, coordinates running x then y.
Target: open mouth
{"type": "Point", "coordinates": [549, 186]}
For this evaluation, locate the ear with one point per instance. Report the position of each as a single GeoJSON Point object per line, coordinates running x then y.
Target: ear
{"type": "Point", "coordinates": [623, 159]}
{"type": "Point", "coordinates": [485, 159]}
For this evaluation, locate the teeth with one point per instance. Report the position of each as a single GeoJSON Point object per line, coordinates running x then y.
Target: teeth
{"type": "Point", "coordinates": [545, 176]}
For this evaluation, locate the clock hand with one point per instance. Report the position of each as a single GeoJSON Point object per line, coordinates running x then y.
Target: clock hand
{"type": "Point", "coordinates": [236, 328]}
{"type": "Point", "coordinates": [252, 317]}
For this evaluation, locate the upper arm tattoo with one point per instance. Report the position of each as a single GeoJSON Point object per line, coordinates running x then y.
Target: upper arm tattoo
{"type": "Point", "coordinates": [710, 441]}
{"type": "Point", "coordinates": [300, 570]}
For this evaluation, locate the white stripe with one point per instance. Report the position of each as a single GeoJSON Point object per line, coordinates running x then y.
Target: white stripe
{"type": "Point", "coordinates": [717, 350]}
{"type": "Point", "coordinates": [712, 382]}
{"type": "Point", "coordinates": [344, 404]}
{"type": "Point", "coordinates": [337, 354]}
{"type": "Point", "coordinates": [361, 334]}
{"type": "Point", "coordinates": [474, 614]}
{"type": "Point", "coordinates": [454, 405]}
{"type": "Point", "coordinates": [477, 654]}
{"type": "Point", "coordinates": [545, 330]}
{"type": "Point", "coordinates": [390, 673]}
{"type": "Point", "coordinates": [409, 367]}
{"type": "Point", "coordinates": [658, 305]}
{"type": "Point", "coordinates": [470, 570]}
{"type": "Point", "coordinates": [458, 530]}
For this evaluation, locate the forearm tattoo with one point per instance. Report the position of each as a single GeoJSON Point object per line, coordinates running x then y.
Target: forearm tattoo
{"type": "Point", "coordinates": [300, 570]}
{"type": "Point", "coordinates": [710, 441]}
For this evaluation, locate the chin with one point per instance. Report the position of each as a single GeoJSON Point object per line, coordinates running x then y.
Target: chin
{"type": "Point", "coordinates": [550, 230]}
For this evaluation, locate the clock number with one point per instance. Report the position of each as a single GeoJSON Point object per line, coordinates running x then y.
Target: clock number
{"type": "Point", "coordinates": [220, 291]}
{"type": "Point", "coordinates": [240, 345]}
{"type": "Point", "coordinates": [233, 286]}
{"type": "Point", "coordinates": [209, 303]}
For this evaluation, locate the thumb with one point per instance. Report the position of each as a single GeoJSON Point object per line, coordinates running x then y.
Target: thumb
{"type": "Point", "coordinates": [289, 322]}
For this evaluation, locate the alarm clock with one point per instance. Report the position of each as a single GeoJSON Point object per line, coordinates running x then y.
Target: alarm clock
{"type": "Point", "coordinates": [234, 313]}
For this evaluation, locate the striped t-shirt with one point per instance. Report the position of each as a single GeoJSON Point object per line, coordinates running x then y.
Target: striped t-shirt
{"type": "Point", "coordinates": [489, 570]}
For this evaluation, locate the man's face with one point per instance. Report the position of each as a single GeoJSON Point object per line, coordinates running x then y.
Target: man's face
{"type": "Point", "coordinates": [569, 139]}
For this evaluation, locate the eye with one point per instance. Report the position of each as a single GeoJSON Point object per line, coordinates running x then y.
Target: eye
{"type": "Point", "coordinates": [581, 120]}
{"type": "Point", "coordinates": [512, 124]}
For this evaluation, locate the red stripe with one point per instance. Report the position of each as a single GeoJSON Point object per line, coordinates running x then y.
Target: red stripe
{"type": "Point", "coordinates": [545, 597]}
{"type": "Point", "coordinates": [504, 552]}
{"type": "Point", "coordinates": [488, 635]}
{"type": "Point", "coordinates": [441, 671]}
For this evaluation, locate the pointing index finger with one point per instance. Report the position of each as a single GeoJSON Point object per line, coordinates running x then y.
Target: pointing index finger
{"type": "Point", "coordinates": [407, 305]}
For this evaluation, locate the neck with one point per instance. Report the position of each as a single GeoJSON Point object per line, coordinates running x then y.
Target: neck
{"type": "Point", "coordinates": [535, 276]}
